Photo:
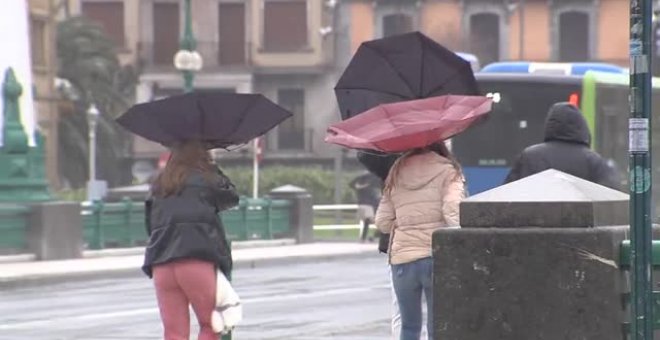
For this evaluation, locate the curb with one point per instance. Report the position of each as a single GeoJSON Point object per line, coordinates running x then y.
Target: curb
{"type": "Point", "coordinates": [116, 252]}
{"type": "Point", "coordinates": [130, 273]}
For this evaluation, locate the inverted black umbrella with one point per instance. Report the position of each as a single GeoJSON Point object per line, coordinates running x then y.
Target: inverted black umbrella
{"type": "Point", "coordinates": [397, 68]}
{"type": "Point", "coordinates": [402, 67]}
{"type": "Point", "coordinates": [216, 118]}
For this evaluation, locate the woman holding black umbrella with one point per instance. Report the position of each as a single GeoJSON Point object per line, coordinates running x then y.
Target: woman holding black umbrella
{"type": "Point", "coordinates": [187, 240]}
{"type": "Point", "coordinates": [188, 255]}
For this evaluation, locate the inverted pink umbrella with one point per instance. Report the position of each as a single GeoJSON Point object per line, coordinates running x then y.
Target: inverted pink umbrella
{"type": "Point", "coordinates": [408, 125]}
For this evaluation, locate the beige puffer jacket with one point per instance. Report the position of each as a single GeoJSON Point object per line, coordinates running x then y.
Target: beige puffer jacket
{"type": "Point", "coordinates": [425, 197]}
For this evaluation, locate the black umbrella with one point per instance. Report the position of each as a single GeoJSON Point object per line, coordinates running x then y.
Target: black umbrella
{"type": "Point", "coordinates": [217, 118]}
{"type": "Point", "coordinates": [398, 68]}
{"type": "Point", "coordinates": [401, 67]}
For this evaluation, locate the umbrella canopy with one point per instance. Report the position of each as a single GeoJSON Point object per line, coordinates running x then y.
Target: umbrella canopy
{"type": "Point", "coordinates": [408, 125]}
{"type": "Point", "coordinates": [399, 68]}
{"type": "Point", "coordinates": [218, 119]}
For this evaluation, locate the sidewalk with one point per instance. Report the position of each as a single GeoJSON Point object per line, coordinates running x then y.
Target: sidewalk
{"type": "Point", "coordinates": [127, 262]}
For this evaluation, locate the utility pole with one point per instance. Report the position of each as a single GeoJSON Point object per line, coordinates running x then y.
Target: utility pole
{"type": "Point", "coordinates": [641, 12]}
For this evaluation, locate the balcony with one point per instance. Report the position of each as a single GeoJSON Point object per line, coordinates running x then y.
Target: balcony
{"type": "Point", "coordinates": [159, 56]}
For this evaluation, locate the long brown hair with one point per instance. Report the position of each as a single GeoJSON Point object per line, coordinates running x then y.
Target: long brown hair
{"type": "Point", "coordinates": [185, 158]}
{"type": "Point", "coordinates": [440, 148]}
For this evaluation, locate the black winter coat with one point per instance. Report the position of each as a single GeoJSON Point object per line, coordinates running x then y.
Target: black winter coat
{"type": "Point", "coordinates": [566, 148]}
{"type": "Point", "coordinates": [187, 225]}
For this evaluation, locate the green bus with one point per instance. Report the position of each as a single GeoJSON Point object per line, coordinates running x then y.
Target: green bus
{"type": "Point", "coordinates": [520, 104]}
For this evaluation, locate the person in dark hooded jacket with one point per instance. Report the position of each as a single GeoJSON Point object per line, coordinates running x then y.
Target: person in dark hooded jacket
{"type": "Point", "coordinates": [187, 241]}
{"type": "Point", "coordinates": [566, 148]}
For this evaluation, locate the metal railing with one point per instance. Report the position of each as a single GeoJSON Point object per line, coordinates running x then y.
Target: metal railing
{"type": "Point", "coordinates": [336, 216]}
{"type": "Point", "coordinates": [13, 227]}
{"type": "Point", "coordinates": [122, 224]}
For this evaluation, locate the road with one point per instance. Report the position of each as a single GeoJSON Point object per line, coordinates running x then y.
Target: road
{"type": "Point", "coordinates": [342, 299]}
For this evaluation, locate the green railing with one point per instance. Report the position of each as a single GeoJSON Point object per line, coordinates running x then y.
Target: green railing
{"type": "Point", "coordinates": [625, 263]}
{"type": "Point", "coordinates": [122, 224]}
{"type": "Point", "coordinates": [13, 227]}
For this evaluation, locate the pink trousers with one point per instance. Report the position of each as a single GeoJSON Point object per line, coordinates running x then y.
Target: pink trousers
{"type": "Point", "coordinates": [180, 284]}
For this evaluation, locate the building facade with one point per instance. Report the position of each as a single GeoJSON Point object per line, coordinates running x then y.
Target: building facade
{"type": "Point", "coordinates": [281, 48]}
{"type": "Point", "coordinates": [496, 30]}
{"type": "Point", "coordinates": [43, 27]}
{"type": "Point", "coordinates": [293, 51]}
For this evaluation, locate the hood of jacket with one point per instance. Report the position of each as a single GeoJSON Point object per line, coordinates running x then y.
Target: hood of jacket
{"type": "Point", "coordinates": [421, 169]}
{"type": "Point", "coordinates": [566, 123]}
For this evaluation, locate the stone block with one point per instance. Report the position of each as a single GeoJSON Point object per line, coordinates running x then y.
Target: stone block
{"type": "Point", "coordinates": [302, 211]}
{"type": "Point", "coordinates": [528, 283]}
{"type": "Point", "coordinates": [55, 230]}
{"type": "Point", "coordinates": [548, 199]}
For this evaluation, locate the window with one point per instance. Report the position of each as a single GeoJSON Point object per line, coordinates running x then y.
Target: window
{"type": "Point", "coordinates": [394, 24]}
{"type": "Point", "coordinates": [573, 36]}
{"type": "Point", "coordinates": [292, 130]}
{"type": "Point", "coordinates": [166, 32]}
{"type": "Point", "coordinates": [38, 41]}
{"type": "Point", "coordinates": [108, 14]}
{"type": "Point", "coordinates": [231, 33]}
{"type": "Point", "coordinates": [285, 25]}
{"type": "Point", "coordinates": [485, 37]}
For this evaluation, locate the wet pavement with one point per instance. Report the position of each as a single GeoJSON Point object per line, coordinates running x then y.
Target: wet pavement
{"type": "Point", "coordinates": [341, 299]}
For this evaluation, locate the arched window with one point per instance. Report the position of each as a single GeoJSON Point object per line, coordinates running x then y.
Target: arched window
{"type": "Point", "coordinates": [397, 23]}
{"type": "Point", "coordinates": [485, 37]}
{"type": "Point", "coordinates": [574, 36]}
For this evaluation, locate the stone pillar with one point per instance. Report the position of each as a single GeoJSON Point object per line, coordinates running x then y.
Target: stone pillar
{"type": "Point", "coordinates": [302, 211]}
{"type": "Point", "coordinates": [534, 259]}
{"type": "Point", "coordinates": [55, 231]}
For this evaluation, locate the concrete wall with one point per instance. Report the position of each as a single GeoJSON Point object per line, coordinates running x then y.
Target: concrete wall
{"type": "Point", "coordinates": [442, 20]}
{"type": "Point", "coordinates": [536, 37]}
{"type": "Point", "coordinates": [614, 31]}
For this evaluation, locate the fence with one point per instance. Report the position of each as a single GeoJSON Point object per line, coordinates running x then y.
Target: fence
{"type": "Point", "coordinates": [123, 225]}
{"type": "Point", "coordinates": [624, 263]}
{"type": "Point", "coordinates": [335, 216]}
{"type": "Point", "coordinates": [13, 227]}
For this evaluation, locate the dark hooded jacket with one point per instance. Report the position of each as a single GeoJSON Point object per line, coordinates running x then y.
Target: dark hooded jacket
{"type": "Point", "coordinates": [187, 225]}
{"type": "Point", "coordinates": [566, 148]}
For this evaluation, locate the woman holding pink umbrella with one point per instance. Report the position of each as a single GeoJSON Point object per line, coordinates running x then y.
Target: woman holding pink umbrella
{"type": "Point", "coordinates": [422, 193]}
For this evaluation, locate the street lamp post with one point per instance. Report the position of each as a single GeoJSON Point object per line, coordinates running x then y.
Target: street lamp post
{"type": "Point", "coordinates": [187, 59]}
{"type": "Point", "coordinates": [92, 121]}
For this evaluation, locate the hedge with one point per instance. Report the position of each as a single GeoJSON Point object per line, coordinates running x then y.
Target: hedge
{"type": "Point", "coordinates": [318, 181]}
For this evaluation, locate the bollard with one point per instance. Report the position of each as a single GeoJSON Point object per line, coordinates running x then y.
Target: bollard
{"type": "Point", "coordinates": [55, 230]}
{"type": "Point", "coordinates": [302, 211]}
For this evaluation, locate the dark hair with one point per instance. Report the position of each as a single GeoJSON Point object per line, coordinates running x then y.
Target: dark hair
{"type": "Point", "coordinates": [185, 159]}
{"type": "Point", "coordinates": [439, 148]}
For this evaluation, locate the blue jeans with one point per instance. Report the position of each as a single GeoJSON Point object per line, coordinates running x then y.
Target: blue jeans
{"type": "Point", "coordinates": [410, 280]}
